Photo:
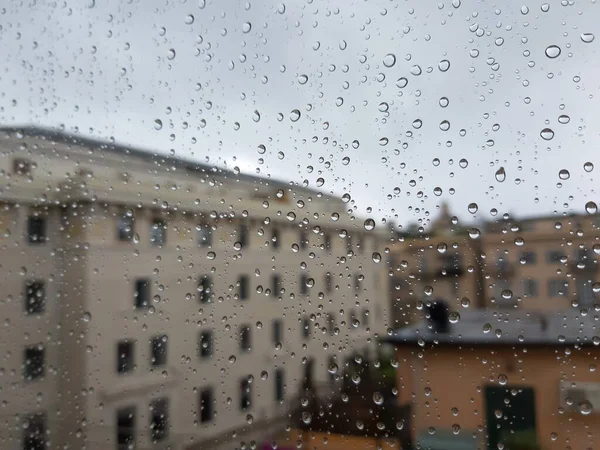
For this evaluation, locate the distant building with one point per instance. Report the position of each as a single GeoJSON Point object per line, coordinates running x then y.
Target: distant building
{"type": "Point", "coordinates": [522, 379]}
{"type": "Point", "coordinates": [540, 263]}
{"type": "Point", "coordinates": [163, 303]}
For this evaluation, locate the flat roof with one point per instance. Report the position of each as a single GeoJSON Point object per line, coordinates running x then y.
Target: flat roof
{"type": "Point", "coordinates": [506, 327]}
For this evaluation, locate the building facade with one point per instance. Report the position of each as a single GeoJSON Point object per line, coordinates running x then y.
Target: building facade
{"type": "Point", "coordinates": [162, 303]}
{"type": "Point", "coordinates": [544, 263]}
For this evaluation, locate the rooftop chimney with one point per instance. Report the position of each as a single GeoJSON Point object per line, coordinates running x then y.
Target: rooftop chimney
{"type": "Point", "coordinates": [438, 316]}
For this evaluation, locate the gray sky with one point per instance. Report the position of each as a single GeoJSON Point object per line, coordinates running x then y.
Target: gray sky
{"type": "Point", "coordinates": [201, 68]}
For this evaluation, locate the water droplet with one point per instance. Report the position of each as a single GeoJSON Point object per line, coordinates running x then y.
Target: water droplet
{"type": "Point", "coordinates": [585, 408]}
{"type": "Point", "coordinates": [463, 163]}
{"type": "Point", "coordinates": [444, 65]}
{"type": "Point", "coordinates": [376, 257]}
{"type": "Point", "coordinates": [500, 175]}
{"type": "Point", "coordinates": [547, 134]}
{"type": "Point", "coordinates": [545, 7]}
{"type": "Point", "coordinates": [211, 255]}
{"type": "Point", "coordinates": [302, 79]}
{"type": "Point", "coordinates": [453, 317]}
{"type": "Point", "coordinates": [472, 208]}
{"type": "Point", "coordinates": [416, 70]}
{"type": "Point", "coordinates": [591, 207]}
{"type": "Point", "coordinates": [171, 54]}
{"type": "Point", "coordinates": [402, 82]}
{"type": "Point", "coordinates": [256, 116]}
{"type": "Point", "coordinates": [444, 102]}
{"type": "Point", "coordinates": [189, 19]}
{"type": "Point", "coordinates": [389, 60]}
{"type": "Point", "coordinates": [295, 115]}
{"type": "Point", "coordinates": [345, 160]}
{"type": "Point", "coordinates": [306, 417]}
{"type": "Point", "coordinates": [87, 317]}
{"type": "Point", "coordinates": [444, 125]}
{"type": "Point", "coordinates": [343, 45]}
{"type": "Point", "coordinates": [378, 398]}
{"type": "Point", "coordinates": [383, 141]}
{"type": "Point", "coordinates": [246, 27]}
{"type": "Point", "coordinates": [369, 224]}
{"type": "Point", "coordinates": [417, 123]}
{"type": "Point", "coordinates": [158, 124]}
{"type": "Point", "coordinates": [281, 8]}
{"type": "Point", "coordinates": [587, 37]}
{"type": "Point", "coordinates": [564, 174]}
{"type": "Point", "coordinates": [524, 10]}
{"type": "Point", "coordinates": [232, 359]}
{"type": "Point", "coordinates": [383, 107]}
{"type": "Point", "coordinates": [588, 166]}
{"type": "Point", "coordinates": [563, 118]}
{"type": "Point", "coordinates": [552, 51]}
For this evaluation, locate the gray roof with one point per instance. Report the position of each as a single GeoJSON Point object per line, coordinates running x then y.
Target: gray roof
{"type": "Point", "coordinates": [497, 327]}
{"type": "Point", "coordinates": [191, 166]}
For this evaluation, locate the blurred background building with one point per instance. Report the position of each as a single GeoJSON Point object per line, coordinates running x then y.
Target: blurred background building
{"type": "Point", "coordinates": [145, 296]}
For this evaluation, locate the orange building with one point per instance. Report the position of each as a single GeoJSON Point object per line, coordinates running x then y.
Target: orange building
{"type": "Point", "coordinates": [523, 379]}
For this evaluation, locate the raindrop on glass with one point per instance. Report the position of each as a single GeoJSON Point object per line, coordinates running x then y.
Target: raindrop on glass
{"type": "Point", "coordinates": [547, 134]}
{"type": "Point", "coordinates": [389, 60]}
{"type": "Point", "coordinates": [500, 175]}
{"type": "Point", "coordinates": [552, 51]}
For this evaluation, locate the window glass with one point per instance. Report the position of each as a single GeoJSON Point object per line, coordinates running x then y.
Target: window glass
{"type": "Point", "coordinates": [314, 224]}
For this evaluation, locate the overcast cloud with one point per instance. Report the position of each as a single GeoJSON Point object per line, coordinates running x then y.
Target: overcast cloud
{"type": "Point", "coordinates": [203, 69]}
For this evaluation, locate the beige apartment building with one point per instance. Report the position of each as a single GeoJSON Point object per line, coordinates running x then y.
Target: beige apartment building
{"type": "Point", "coordinates": [538, 263]}
{"type": "Point", "coordinates": [159, 303]}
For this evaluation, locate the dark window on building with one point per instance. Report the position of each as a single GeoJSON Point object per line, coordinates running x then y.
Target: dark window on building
{"type": "Point", "coordinates": [303, 240]}
{"type": "Point", "coordinates": [126, 428]}
{"type": "Point", "coordinates": [158, 347]}
{"type": "Point", "coordinates": [141, 293]}
{"type": "Point", "coordinates": [331, 324]}
{"type": "Point", "coordinates": [303, 284]}
{"type": "Point", "coordinates": [245, 338]}
{"type": "Point", "coordinates": [327, 241]}
{"type": "Point", "coordinates": [361, 243]}
{"type": "Point", "coordinates": [277, 331]}
{"type": "Point", "coordinates": [159, 419]}
{"type": "Point", "coordinates": [279, 385]}
{"type": "Point", "coordinates": [557, 287]}
{"type": "Point", "coordinates": [357, 282]}
{"type": "Point", "coordinates": [245, 394]}
{"type": "Point", "coordinates": [206, 344]}
{"type": "Point", "coordinates": [554, 256]}
{"type": "Point", "coordinates": [35, 297]}
{"type": "Point", "coordinates": [351, 319]}
{"type": "Point", "coordinates": [365, 318]}
{"type": "Point", "coordinates": [243, 235]}
{"type": "Point", "coordinates": [206, 405]}
{"type": "Point", "coordinates": [36, 230]}
{"type": "Point", "coordinates": [34, 432]}
{"type": "Point", "coordinates": [328, 282]}
{"type": "Point", "coordinates": [125, 357]}
{"type": "Point", "coordinates": [204, 235]}
{"type": "Point", "coordinates": [22, 166]}
{"type": "Point", "coordinates": [530, 288]}
{"type": "Point", "coordinates": [204, 289]}
{"type": "Point", "coordinates": [125, 228]}
{"type": "Point", "coordinates": [243, 283]}
{"type": "Point", "coordinates": [276, 285]}
{"type": "Point", "coordinates": [275, 239]}
{"type": "Point", "coordinates": [34, 362]}
{"type": "Point", "coordinates": [331, 368]}
{"type": "Point", "coordinates": [158, 233]}
{"type": "Point", "coordinates": [529, 257]}
{"type": "Point", "coordinates": [306, 328]}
